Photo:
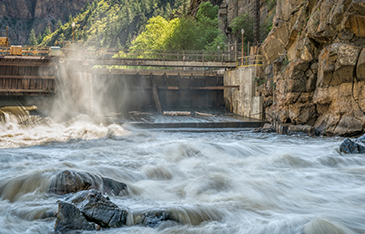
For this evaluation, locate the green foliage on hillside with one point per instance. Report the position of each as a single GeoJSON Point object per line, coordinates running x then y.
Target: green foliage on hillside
{"type": "Point", "coordinates": [183, 33]}
{"type": "Point", "coordinates": [246, 22]}
{"type": "Point", "coordinates": [111, 23]}
{"type": "Point", "coordinates": [143, 24]}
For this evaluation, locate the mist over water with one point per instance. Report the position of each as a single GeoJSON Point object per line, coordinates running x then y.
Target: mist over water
{"type": "Point", "coordinates": [226, 182]}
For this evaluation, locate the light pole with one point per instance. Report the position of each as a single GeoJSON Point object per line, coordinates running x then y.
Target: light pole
{"type": "Point", "coordinates": [242, 31]}
{"type": "Point", "coordinates": [73, 32]}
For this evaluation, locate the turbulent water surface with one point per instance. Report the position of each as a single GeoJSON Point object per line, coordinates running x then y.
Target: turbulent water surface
{"type": "Point", "coordinates": [215, 182]}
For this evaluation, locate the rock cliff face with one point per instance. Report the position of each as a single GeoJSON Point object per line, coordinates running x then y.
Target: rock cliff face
{"type": "Point", "coordinates": [315, 65]}
{"type": "Point", "coordinates": [23, 15]}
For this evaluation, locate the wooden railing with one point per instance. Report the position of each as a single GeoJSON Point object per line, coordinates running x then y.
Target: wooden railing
{"type": "Point", "coordinates": [25, 51]}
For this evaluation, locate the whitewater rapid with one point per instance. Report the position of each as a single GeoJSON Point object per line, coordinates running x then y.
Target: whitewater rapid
{"type": "Point", "coordinates": [214, 182]}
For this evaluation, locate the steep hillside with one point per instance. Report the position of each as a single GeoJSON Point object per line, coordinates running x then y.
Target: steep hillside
{"type": "Point", "coordinates": [315, 65]}
{"type": "Point", "coordinates": [111, 23]}
{"type": "Point", "coordinates": [23, 15]}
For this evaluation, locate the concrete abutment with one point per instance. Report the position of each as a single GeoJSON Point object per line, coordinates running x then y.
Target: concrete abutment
{"type": "Point", "coordinates": [243, 101]}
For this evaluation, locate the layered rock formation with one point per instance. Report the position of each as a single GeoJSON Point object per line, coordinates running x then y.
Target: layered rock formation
{"type": "Point", "coordinates": [315, 65]}
{"type": "Point", "coordinates": [23, 15]}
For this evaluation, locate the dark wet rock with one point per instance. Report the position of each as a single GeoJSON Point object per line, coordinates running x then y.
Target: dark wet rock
{"type": "Point", "coordinates": [153, 218]}
{"type": "Point", "coordinates": [70, 220]}
{"type": "Point", "coordinates": [67, 181]}
{"type": "Point", "coordinates": [356, 146]}
{"type": "Point", "coordinates": [99, 209]}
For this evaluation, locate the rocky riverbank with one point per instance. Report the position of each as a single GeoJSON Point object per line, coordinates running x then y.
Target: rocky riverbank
{"type": "Point", "coordinates": [314, 66]}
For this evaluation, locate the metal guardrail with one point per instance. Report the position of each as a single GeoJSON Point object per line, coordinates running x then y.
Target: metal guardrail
{"type": "Point", "coordinates": [250, 61]}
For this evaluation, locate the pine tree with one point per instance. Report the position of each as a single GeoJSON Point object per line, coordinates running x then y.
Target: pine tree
{"type": "Point", "coordinates": [39, 38]}
{"type": "Point", "coordinates": [59, 24]}
{"type": "Point", "coordinates": [61, 37]}
{"type": "Point", "coordinates": [87, 6]}
{"type": "Point", "coordinates": [46, 32]}
{"type": "Point", "coordinates": [118, 45]}
{"type": "Point", "coordinates": [128, 43]}
{"type": "Point", "coordinates": [32, 40]}
{"type": "Point", "coordinates": [168, 11]}
{"type": "Point", "coordinates": [70, 19]}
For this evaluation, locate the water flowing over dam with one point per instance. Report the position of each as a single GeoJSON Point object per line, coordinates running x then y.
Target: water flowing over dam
{"type": "Point", "coordinates": [211, 182]}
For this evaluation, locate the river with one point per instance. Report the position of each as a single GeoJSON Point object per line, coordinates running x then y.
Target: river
{"type": "Point", "coordinates": [214, 182]}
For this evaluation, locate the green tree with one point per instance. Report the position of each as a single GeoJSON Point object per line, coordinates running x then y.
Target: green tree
{"type": "Point", "coordinates": [39, 38]}
{"type": "Point", "coordinates": [87, 6]}
{"type": "Point", "coordinates": [184, 35]}
{"type": "Point", "coordinates": [32, 39]}
{"type": "Point", "coordinates": [117, 44]}
{"type": "Point", "coordinates": [155, 35]}
{"type": "Point", "coordinates": [46, 32]}
{"type": "Point", "coordinates": [59, 24]}
{"type": "Point", "coordinates": [70, 19]}
{"type": "Point", "coordinates": [168, 11]}
{"type": "Point", "coordinates": [245, 22]}
{"type": "Point", "coordinates": [61, 37]}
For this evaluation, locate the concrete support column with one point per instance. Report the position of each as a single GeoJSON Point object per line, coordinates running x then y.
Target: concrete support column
{"type": "Point", "coordinates": [243, 101]}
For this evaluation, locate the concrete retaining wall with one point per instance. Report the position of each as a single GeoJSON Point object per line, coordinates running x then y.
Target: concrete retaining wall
{"type": "Point", "coordinates": [243, 101]}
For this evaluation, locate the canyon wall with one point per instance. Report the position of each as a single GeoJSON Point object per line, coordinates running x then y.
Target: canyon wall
{"type": "Point", "coordinates": [314, 65]}
{"type": "Point", "coordinates": [23, 15]}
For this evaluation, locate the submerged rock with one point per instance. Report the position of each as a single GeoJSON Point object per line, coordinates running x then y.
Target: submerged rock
{"type": "Point", "coordinates": [87, 210]}
{"type": "Point", "coordinates": [67, 181]}
{"type": "Point", "coordinates": [356, 146]}
{"type": "Point", "coordinates": [153, 218]}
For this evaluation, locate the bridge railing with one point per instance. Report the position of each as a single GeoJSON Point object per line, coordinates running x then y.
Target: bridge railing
{"type": "Point", "coordinates": [25, 50]}
{"type": "Point", "coordinates": [249, 61]}
{"type": "Point", "coordinates": [185, 55]}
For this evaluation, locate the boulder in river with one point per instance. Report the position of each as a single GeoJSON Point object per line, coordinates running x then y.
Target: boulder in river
{"type": "Point", "coordinates": [70, 219]}
{"type": "Point", "coordinates": [67, 181]}
{"type": "Point", "coordinates": [356, 146]}
{"type": "Point", "coordinates": [99, 209]}
{"type": "Point", "coordinates": [87, 210]}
